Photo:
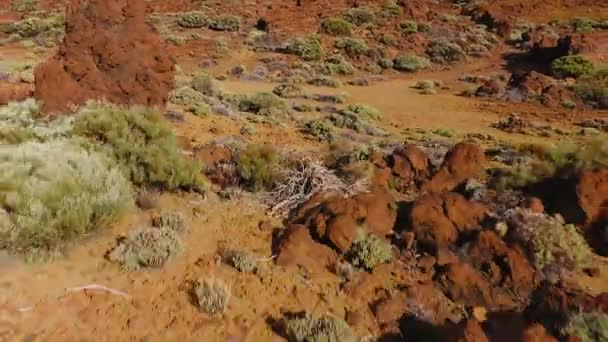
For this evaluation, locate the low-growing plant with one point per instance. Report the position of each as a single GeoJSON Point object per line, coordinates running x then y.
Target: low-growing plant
{"type": "Point", "coordinates": [226, 22]}
{"type": "Point", "coordinates": [42, 29]}
{"type": "Point", "coordinates": [55, 192]}
{"type": "Point", "coordinates": [408, 27]}
{"type": "Point", "coordinates": [353, 47]}
{"type": "Point", "coordinates": [360, 15]}
{"type": "Point", "coordinates": [242, 261]}
{"type": "Point", "coordinates": [172, 220]}
{"type": "Point", "coordinates": [588, 326]}
{"type": "Point", "coordinates": [369, 251]}
{"type": "Point", "coordinates": [212, 296]}
{"type": "Point", "coordinates": [336, 26]}
{"type": "Point", "coordinates": [391, 9]}
{"type": "Point", "coordinates": [259, 166]}
{"type": "Point", "coordinates": [308, 48]}
{"type": "Point", "coordinates": [288, 91]}
{"type": "Point", "coordinates": [444, 51]}
{"type": "Point", "coordinates": [365, 112]}
{"type": "Point", "coordinates": [266, 104]}
{"type": "Point", "coordinates": [194, 19]}
{"type": "Point", "coordinates": [335, 65]}
{"type": "Point", "coordinates": [19, 122]}
{"type": "Point", "coordinates": [583, 24]}
{"type": "Point", "coordinates": [204, 84]}
{"type": "Point", "coordinates": [317, 328]}
{"type": "Point", "coordinates": [142, 144]}
{"type": "Point", "coordinates": [411, 63]}
{"type": "Point", "coordinates": [322, 129]}
{"type": "Point", "coordinates": [186, 96]}
{"type": "Point", "coordinates": [324, 81]}
{"type": "Point", "coordinates": [25, 5]}
{"type": "Point", "coordinates": [149, 247]}
{"type": "Point", "coordinates": [386, 63]}
{"type": "Point", "coordinates": [572, 66]}
{"type": "Point", "coordinates": [593, 89]}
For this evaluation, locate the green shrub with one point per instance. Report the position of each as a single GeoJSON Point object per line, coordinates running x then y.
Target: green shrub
{"type": "Point", "coordinates": [194, 19]}
{"type": "Point", "coordinates": [226, 22]}
{"type": "Point", "coordinates": [386, 63]}
{"type": "Point", "coordinates": [317, 328]}
{"type": "Point", "coordinates": [388, 39]}
{"type": "Point", "coordinates": [242, 261]}
{"type": "Point", "coordinates": [324, 81]}
{"type": "Point", "coordinates": [25, 5]}
{"type": "Point", "coordinates": [212, 296]}
{"type": "Point", "coordinates": [360, 15]}
{"type": "Point", "coordinates": [353, 47]}
{"type": "Point", "coordinates": [323, 130]}
{"type": "Point", "coordinates": [443, 51]}
{"type": "Point", "coordinates": [147, 247]}
{"type": "Point", "coordinates": [335, 65]}
{"type": "Point", "coordinates": [288, 91]}
{"type": "Point", "coordinates": [572, 66]}
{"type": "Point", "coordinates": [593, 89]}
{"type": "Point", "coordinates": [45, 28]}
{"type": "Point", "coordinates": [144, 146]}
{"type": "Point", "coordinates": [391, 9]}
{"type": "Point", "coordinates": [408, 27]}
{"type": "Point", "coordinates": [259, 166]}
{"type": "Point", "coordinates": [583, 24]}
{"type": "Point", "coordinates": [172, 220]}
{"type": "Point", "coordinates": [186, 96]}
{"type": "Point", "coordinates": [588, 326]}
{"type": "Point", "coordinates": [308, 48]}
{"type": "Point", "coordinates": [369, 252]}
{"type": "Point", "coordinates": [365, 112]}
{"type": "Point", "coordinates": [266, 104]}
{"type": "Point", "coordinates": [56, 191]}
{"type": "Point", "coordinates": [204, 84]}
{"type": "Point", "coordinates": [336, 26]}
{"type": "Point", "coordinates": [411, 63]}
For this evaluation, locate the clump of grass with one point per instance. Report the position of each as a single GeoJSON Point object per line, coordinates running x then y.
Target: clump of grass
{"type": "Point", "coordinates": [369, 251]}
{"type": "Point", "coordinates": [54, 192]}
{"type": "Point", "coordinates": [226, 22]}
{"type": "Point", "coordinates": [444, 51]}
{"type": "Point", "coordinates": [194, 19]}
{"type": "Point", "coordinates": [548, 240]}
{"type": "Point", "coordinates": [572, 66]}
{"type": "Point", "coordinates": [411, 63]}
{"type": "Point", "coordinates": [335, 65]}
{"type": "Point", "coordinates": [259, 166]}
{"type": "Point", "coordinates": [593, 89]}
{"type": "Point", "coordinates": [365, 112]}
{"type": "Point", "coordinates": [212, 296]}
{"type": "Point", "coordinates": [172, 220]}
{"type": "Point", "coordinates": [324, 81]}
{"type": "Point", "coordinates": [317, 328]}
{"type": "Point", "coordinates": [360, 15]}
{"type": "Point", "coordinates": [266, 104]}
{"type": "Point", "coordinates": [19, 122]}
{"type": "Point", "coordinates": [48, 28]}
{"type": "Point", "coordinates": [143, 145]}
{"type": "Point", "coordinates": [336, 26]}
{"type": "Point", "coordinates": [386, 63]}
{"type": "Point", "coordinates": [588, 326]}
{"type": "Point", "coordinates": [308, 48]}
{"type": "Point", "coordinates": [323, 130]}
{"type": "Point", "coordinates": [408, 27]}
{"type": "Point", "coordinates": [583, 24]}
{"type": "Point", "coordinates": [204, 84]}
{"type": "Point", "coordinates": [25, 5]}
{"type": "Point", "coordinates": [353, 47]}
{"type": "Point", "coordinates": [146, 248]}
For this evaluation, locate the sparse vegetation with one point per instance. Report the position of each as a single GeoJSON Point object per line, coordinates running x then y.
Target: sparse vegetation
{"type": "Point", "coordinates": [186, 96]}
{"type": "Point", "coordinates": [212, 296]}
{"type": "Point", "coordinates": [411, 63]}
{"type": "Point", "coordinates": [588, 326]}
{"type": "Point", "coordinates": [572, 66]}
{"type": "Point", "coordinates": [288, 91]}
{"type": "Point", "coordinates": [365, 112]}
{"type": "Point", "coordinates": [172, 220]}
{"type": "Point", "coordinates": [444, 51]}
{"type": "Point", "coordinates": [259, 166]}
{"type": "Point", "coordinates": [55, 192]}
{"type": "Point", "coordinates": [142, 144]}
{"type": "Point", "coordinates": [226, 22]}
{"type": "Point", "coordinates": [360, 15]}
{"type": "Point", "coordinates": [322, 129]}
{"type": "Point", "coordinates": [353, 47]}
{"type": "Point", "coordinates": [408, 27]}
{"type": "Point", "coordinates": [313, 328]}
{"type": "Point", "coordinates": [266, 104]}
{"type": "Point", "coordinates": [202, 83]}
{"type": "Point", "coordinates": [242, 261]}
{"type": "Point", "coordinates": [369, 251]}
{"type": "Point", "coordinates": [146, 248]}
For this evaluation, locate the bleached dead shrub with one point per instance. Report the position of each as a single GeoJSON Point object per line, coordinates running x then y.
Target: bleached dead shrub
{"type": "Point", "coordinates": [299, 184]}
{"type": "Point", "coordinates": [54, 192]}
{"type": "Point", "coordinates": [317, 328]}
{"type": "Point", "coordinates": [212, 296]}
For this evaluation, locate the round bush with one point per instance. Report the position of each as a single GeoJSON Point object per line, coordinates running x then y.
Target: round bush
{"type": "Point", "coordinates": [56, 191]}
{"type": "Point", "coordinates": [572, 66]}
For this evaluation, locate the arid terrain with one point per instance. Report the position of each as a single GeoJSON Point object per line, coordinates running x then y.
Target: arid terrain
{"type": "Point", "coordinates": [304, 170]}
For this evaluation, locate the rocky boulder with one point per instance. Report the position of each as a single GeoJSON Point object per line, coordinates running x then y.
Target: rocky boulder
{"type": "Point", "coordinates": [464, 161]}
{"type": "Point", "coordinates": [109, 52]}
{"type": "Point", "coordinates": [298, 249]}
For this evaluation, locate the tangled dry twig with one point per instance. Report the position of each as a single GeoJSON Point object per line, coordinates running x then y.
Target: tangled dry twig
{"type": "Point", "coordinates": [301, 183]}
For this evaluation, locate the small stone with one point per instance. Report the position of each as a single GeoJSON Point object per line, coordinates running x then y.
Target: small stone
{"type": "Point", "coordinates": [501, 228]}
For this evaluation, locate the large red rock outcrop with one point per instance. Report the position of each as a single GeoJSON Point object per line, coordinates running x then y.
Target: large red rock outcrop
{"type": "Point", "coordinates": [340, 220]}
{"type": "Point", "coordinates": [297, 248]}
{"type": "Point", "coordinates": [536, 87]}
{"type": "Point", "coordinates": [109, 52]}
{"type": "Point", "coordinates": [463, 161]}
